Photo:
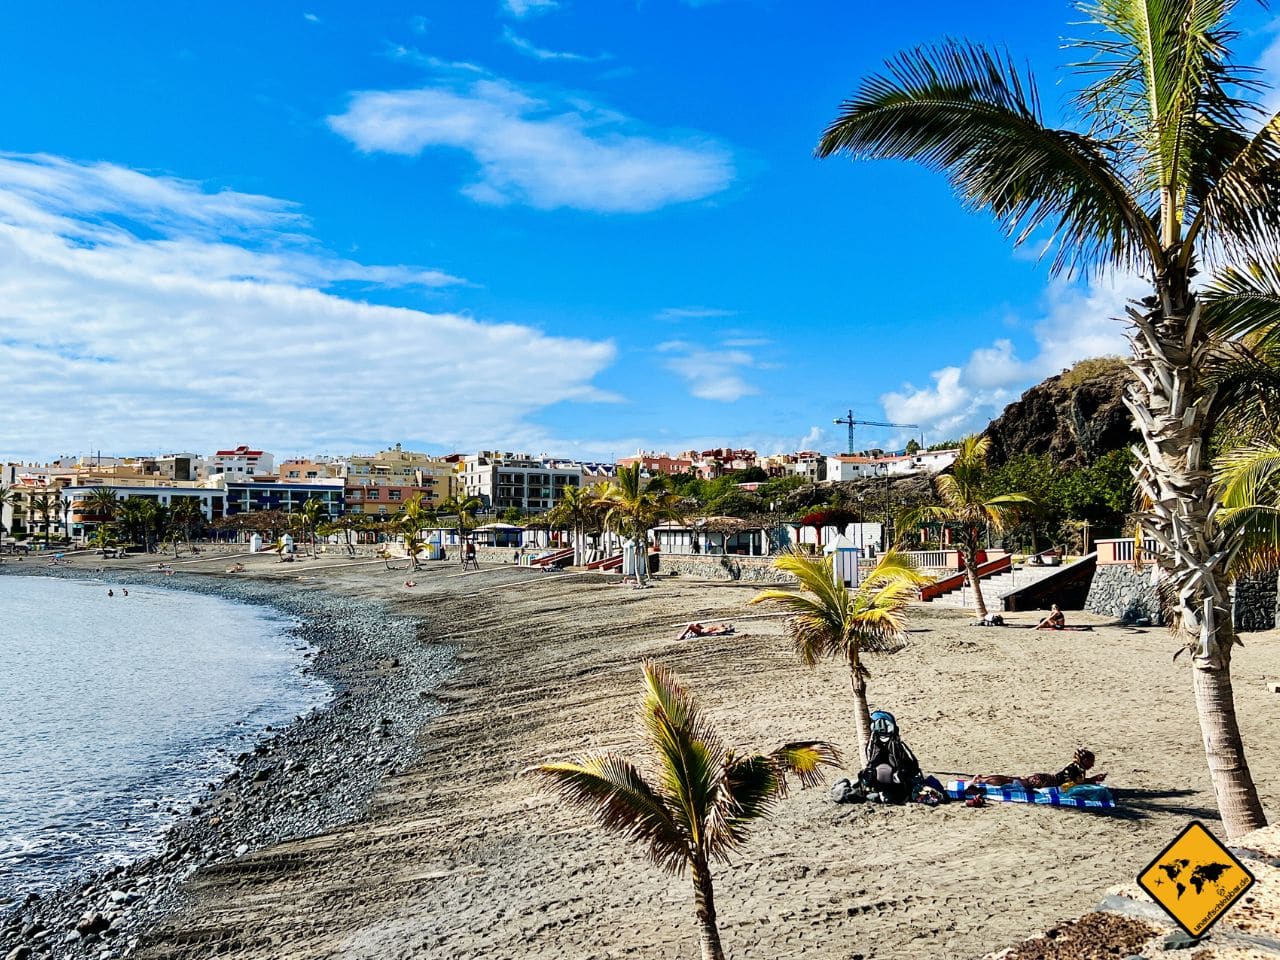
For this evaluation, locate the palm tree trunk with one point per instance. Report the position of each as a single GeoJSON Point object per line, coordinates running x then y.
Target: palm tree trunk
{"type": "Point", "coordinates": [1171, 405]}
{"type": "Point", "coordinates": [970, 556]}
{"type": "Point", "coordinates": [705, 908]}
{"type": "Point", "coordinates": [861, 712]}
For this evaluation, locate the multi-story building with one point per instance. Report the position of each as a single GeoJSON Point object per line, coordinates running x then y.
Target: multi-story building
{"type": "Point", "coordinates": [809, 464]}
{"type": "Point", "coordinates": [530, 484]}
{"type": "Point", "coordinates": [712, 464]}
{"type": "Point", "coordinates": [654, 463]}
{"type": "Point", "coordinates": [382, 482]}
{"type": "Point", "coordinates": [304, 471]}
{"type": "Point", "coordinates": [269, 493]}
{"type": "Point", "coordinates": [890, 465]}
{"type": "Point", "coordinates": [240, 462]}
{"type": "Point", "coordinates": [82, 519]}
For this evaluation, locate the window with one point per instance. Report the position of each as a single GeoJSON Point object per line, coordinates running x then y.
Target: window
{"type": "Point", "coordinates": [374, 494]}
{"type": "Point", "coordinates": [395, 494]}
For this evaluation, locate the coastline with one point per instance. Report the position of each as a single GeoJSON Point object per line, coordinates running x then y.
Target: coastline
{"type": "Point", "coordinates": [318, 772]}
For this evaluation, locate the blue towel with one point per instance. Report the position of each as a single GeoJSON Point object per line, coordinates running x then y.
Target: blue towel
{"type": "Point", "coordinates": [1084, 796]}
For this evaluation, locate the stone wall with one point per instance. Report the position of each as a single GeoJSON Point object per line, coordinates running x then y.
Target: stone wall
{"type": "Point", "coordinates": [1127, 593]}
{"type": "Point", "coordinates": [1124, 592]}
{"type": "Point", "coordinates": [744, 569]}
{"type": "Point", "coordinates": [1255, 603]}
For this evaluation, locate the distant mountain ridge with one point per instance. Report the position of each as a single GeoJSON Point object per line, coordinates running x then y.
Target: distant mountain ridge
{"type": "Point", "coordinates": [1075, 416]}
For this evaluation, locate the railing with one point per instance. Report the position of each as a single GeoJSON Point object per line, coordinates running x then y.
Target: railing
{"type": "Point", "coordinates": [936, 559]}
{"type": "Point", "coordinates": [946, 584]}
{"type": "Point", "coordinates": [1122, 551]}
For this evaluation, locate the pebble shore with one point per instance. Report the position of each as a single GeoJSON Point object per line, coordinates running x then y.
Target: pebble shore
{"type": "Point", "coordinates": [319, 772]}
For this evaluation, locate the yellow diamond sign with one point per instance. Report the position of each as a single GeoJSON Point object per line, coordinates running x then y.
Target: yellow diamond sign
{"type": "Point", "coordinates": [1196, 879]}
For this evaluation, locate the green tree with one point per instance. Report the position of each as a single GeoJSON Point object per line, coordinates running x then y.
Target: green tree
{"type": "Point", "coordinates": [8, 497]}
{"type": "Point", "coordinates": [632, 508]}
{"type": "Point", "coordinates": [969, 508]}
{"type": "Point", "coordinates": [575, 512]}
{"type": "Point", "coordinates": [186, 516]}
{"type": "Point", "coordinates": [702, 802]}
{"type": "Point", "coordinates": [463, 509]}
{"type": "Point", "coordinates": [1173, 171]}
{"type": "Point", "coordinates": [46, 506]}
{"type": "Point", "coordinates": [831, 621]}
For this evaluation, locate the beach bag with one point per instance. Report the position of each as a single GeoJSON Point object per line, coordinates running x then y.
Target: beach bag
{"type": "Point", "coordinates": [892, 769]}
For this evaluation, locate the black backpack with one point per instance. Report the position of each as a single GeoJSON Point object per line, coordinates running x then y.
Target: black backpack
{"type": "Point", "coordinates": [892, 769]}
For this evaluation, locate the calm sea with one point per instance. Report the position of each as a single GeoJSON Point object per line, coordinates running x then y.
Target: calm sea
{"type": "Point", "coordinates": [112, 713]}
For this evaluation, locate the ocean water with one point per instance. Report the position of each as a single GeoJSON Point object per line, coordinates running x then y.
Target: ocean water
{"type": "Point", "coordinates": [115, 711]}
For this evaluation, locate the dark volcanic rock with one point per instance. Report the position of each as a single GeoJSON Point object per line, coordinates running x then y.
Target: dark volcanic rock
{"type": "Point", "coordinates": [1074, 417]}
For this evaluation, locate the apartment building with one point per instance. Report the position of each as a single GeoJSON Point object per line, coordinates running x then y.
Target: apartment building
{"type": "Point", "coordinates": [382, 482]}
{"type": "Point", "coordinates": [530, 484]}
{"type": "Point", "coordinates": [241, 462]}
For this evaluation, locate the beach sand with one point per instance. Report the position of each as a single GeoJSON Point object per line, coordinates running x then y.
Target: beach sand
{"type": "Point", "coordinates": [461, 856]}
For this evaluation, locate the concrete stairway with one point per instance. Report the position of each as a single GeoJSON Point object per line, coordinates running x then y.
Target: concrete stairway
{"type": "Point", "coordinates": [996, 587]}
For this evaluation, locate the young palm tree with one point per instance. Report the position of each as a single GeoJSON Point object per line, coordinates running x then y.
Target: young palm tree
{"type": "Point", "coordinates": [463, 508]}
{"type": "Point", "coordinates": [830, 620]}
{"type": "Point", "coordinates": [702, 802]}
{"type": "Point", "coordinates": [102, 503]}
{"type": "Point", "coordinates": [1171, 171]}
{"type": "Point", "coordinates": [186, 515]}
{"type": "Point", "coordinates": [968, 508]}
{"type": "Point", "coordinates": [634, 507]}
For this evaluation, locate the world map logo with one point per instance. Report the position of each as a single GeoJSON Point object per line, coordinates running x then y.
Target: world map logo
{"type": "Point", "coordinates": [1196, 879]}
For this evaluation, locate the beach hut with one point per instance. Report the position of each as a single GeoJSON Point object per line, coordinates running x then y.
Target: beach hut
{"type": "Point", "coordinates": [845, 555]}
{"type": "Point", "coordinates": [498, 535]}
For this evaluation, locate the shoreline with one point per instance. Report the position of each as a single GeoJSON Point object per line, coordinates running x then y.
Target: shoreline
{"type": "Point", "coordinates": [332, 760]}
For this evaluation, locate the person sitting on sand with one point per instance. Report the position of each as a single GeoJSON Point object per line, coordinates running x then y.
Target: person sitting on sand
{"type": "Point", "coordinates": [410, 583]}
{"type": "Point", "coordinates": [1054, 621]}
{"type": "Point", "coordinates": [1077, 771]}
{"type": "Point", "coordinates": [706, 630]}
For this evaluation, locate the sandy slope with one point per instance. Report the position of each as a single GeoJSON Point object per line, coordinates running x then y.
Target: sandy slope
{"type": "Point", "coordinates": [462, 858]}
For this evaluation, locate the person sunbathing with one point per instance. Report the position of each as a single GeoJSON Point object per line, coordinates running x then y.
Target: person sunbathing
{"type": "Point", "coordinates": [706, 630]}
{"type": "Point", "coordinates": [1075, 772]}
{"type": "Point", "coordinates": [1054, 621]}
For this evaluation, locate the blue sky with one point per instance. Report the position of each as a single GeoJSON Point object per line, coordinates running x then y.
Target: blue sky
{"type": "Point", "coordinates": [576, 227]}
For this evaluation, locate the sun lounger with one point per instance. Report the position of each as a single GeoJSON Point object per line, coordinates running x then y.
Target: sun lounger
{"type": "Point", "coordinates": [1083, 797]}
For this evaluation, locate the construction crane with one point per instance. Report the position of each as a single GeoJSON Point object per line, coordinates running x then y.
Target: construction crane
{"type": "Point", "coordinates": [850, 423]}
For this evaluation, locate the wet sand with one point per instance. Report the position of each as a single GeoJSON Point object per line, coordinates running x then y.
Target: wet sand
{"type": "Point", "coordinates": [461, 856]}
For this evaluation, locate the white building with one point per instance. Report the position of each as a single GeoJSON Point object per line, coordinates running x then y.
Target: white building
{"type": "Point", "coordinates": [898, 465]}
{"type": "Point", "coordinates": [851, 468]}
{"type": "Point", "coordinates": [241, 462]}
{"type": "Point", "coordinates": [530, 484]}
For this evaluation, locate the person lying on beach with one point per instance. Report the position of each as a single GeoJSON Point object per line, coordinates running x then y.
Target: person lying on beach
{"type": "Point", "coordinates": [410, 583]}
{"type": "Point", "coordinates": [1054, 621]}
{"type": "Point", "coordinates": [706, 630]}
{"type": "Point", "coordinates": [1077, 771]}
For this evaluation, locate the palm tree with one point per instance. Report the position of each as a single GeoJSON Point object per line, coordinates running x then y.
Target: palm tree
{"type": "Point", "coordinates": [574, 512]}
{"type": "Point", "coordinates": [45, 505]}
{"type": "Point", "coordinates": [186, 516]}
{"type": "Point", "coordinates": [314, 512]}
{"type": "Point", "coordinates": [703, 800]}
{"type": "Point", "coordinates": [463, 508]}
{"type": "Point", "coordinates": [968, 508]}
{"type": "Point", "coordinates": [101, 502]}
{"type": "Point", "coordinates": [1171, 171]}
{"type": "Point", "coordinates": [633, 507]}
{"type": "Point", "coordinates": [831, 621]}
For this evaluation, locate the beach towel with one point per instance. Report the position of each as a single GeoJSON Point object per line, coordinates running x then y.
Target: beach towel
{"type": "Point", "coordinates": [1085, 796]}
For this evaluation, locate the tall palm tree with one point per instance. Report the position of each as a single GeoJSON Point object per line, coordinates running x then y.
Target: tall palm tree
{"type": "Point", "coordinates": [102, 503]}
{"type": "Point", "coordinates": [186, 515]}
{"type": "Point", "coordinates": [574, 512]}
{"type": "Point", "coordinates": [45, 505]}
{"type": "Point", "coordinates": [633, 507]}
{"type": "Point", "coordinates": [1172, 170]}
{"type": "Point", "coordinates": [314, 512]}
{"type": "Point", "coordinates": [702, 802]}
{"type": "Point", "coordinates": [968, 508]}
{"type": "Point", "coordinates": [831, 621]}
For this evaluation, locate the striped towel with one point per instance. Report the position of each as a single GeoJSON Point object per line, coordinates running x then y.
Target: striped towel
{"type": "Point", "coordinates": [1084, 797]}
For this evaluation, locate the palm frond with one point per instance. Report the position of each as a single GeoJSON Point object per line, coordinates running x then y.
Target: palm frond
{"type": "Point", "coordinates": [612, 789]}
{"type": "Point", "coordinates": [968, 112]}
{"type": "Point", "coordinates": [1244, 300]}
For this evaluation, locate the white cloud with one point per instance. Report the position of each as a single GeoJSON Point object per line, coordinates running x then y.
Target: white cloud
{"type": "Point", "coordinates": [541, 53]}
{"type": "Point", "coordinates": [1078, 322]}
{"type": "Point", "coordinates": [310, 18]}
{"type": "Point", "coordinates": [693, 313]}
{"type": "Point", "coordinates": [141, 312]}
{"type": "Point", "coordinates": [547, 153]}
{"type": "Point", "coordinates": [711, 373]}
{"type": "Point", "coordinates": [523, 8]}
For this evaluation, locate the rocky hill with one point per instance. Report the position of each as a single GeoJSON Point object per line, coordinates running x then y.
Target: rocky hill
{"type": "Point", "coordinates": [1074, 417]}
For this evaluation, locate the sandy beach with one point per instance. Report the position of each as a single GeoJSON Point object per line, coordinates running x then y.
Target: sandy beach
{"type": "Point", "coordinates": [459, 855]}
